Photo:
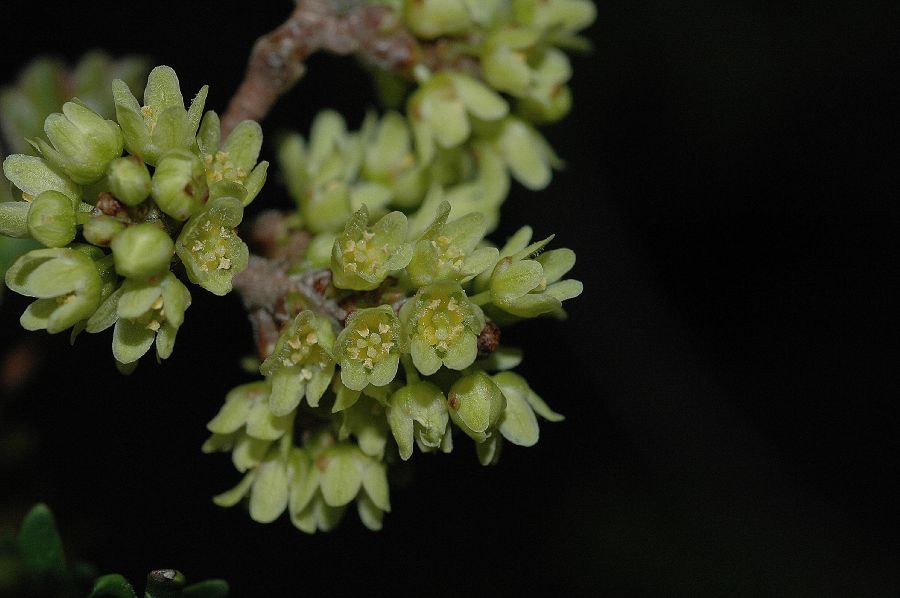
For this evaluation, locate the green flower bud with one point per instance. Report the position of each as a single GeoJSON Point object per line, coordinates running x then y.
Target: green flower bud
{"type": "Point", "coordinates": [418, 412]}
{"type": "Point", "coordinates": [129, 180]}
{"type": "Point", "coordinates": [267, 483]}
{"type": "Point", "coordinates": [505, 61]}
{"type": "Point", "coordinates": [101, 229]}
{"type": "Point", "coordinates": [209, 245]}
{"type": "Point", "coordinates": [565, 16]}
{"type": "Point", "coordinates": [527, 154]}
{"type": "Point", "coordinates": [362, 257]}
{"type": "Point", "coordinates": [82, 143]}
{"type": "Point", "coordinates": [390, 161]}
{"type": "Point", "coordinates": [476, 405]}
{"type": "Point", "coordinates": [447, 251]}
{"type": "Point", "coordinates": [65, 282]}
{"type": "Point", "coordinates": [530, 287]}
{"type": "Point", "coordinates": [247, 406]}
{"type": "Point", "coordinates": [51, 219]}
{"type": "Point", "coordinates": [441, 327]}
{"type": "Point", "coordinates": [368, 348]}
{"type": "Point", "coordinates": [318, 252]}
{"type": "Point", "coordinates": [34, 175]}
{"type": "Point", "coordinates": [162, 124]}
{"type": "Point", "coordinates": [548, 108]}
{"type": "Point", "coordinates": [149, 311]}
{"type": "Point", "coordinates": [142, 250]}
{"type": "Point", "coordinates": [301, 364]}
{"type": "Point", "coordinates": [433, 18]}
{"type": "Point", "coordinates": [365, 421]}
{"type": "Point", "coordinates": [179, 184]}
{"type": "Point", "coordinates": [322, 178]}
{"type": "Point", "coordinates": [235, 161]}
{"type": "Point", "coordinates": [439, 111]}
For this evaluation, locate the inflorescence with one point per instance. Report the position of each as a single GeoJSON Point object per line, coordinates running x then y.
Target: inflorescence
{"type": "Point", "coordinates": [397, 344]}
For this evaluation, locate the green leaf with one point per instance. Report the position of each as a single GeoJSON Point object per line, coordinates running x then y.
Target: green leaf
{"type": "Point", "coordinates": [40, 545]}
{"type": "Point", "coordinates": [112, 586]}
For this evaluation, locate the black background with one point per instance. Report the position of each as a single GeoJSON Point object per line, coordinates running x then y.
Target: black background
{"type": "Point", "coordinates": [729, 375]}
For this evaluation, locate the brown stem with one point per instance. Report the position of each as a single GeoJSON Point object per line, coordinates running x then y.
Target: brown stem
{"type": "Point", "coordinates": [276, 62]}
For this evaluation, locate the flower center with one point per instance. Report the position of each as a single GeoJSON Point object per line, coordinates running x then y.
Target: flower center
{"type": "Point", "coordinates": [219, 167]}
{"type": "Point", "coordinates": [441, 322]}
{"type": "Point", "coordinates": [370, 345]}
{"type": "Point", "coordinates": [364, 255]}
{"type": "Point", "coordinates": [210, 247]}
{"type": "Point", "coordinates": [448, 253]}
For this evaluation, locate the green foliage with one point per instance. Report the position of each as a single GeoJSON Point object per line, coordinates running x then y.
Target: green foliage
{"type": "Point", "coordinates": [81, 188]}
{"type": "Point", "coordinates": [34, 564]}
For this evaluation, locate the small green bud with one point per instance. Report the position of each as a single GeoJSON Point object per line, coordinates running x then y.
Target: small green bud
{"type": "Point", "coordinates": [390, 161]}
{"type": "Point", "coordinates": [441, 327]}
{"type": "Point", "coordinates": [82, 143]}
{"type": "Point", "coordinates": [142, 250]}
{"type": "Point", "coordinates": [179, 184]}
{"type": "Point", "coordinates": [530, 287]}
{"type": "Point", "coordinates": [506, 60]}
{"type": "Point", "coordinates": [476, 404]}
{"type": "Point", "coordinates": [210, 247]}
{"type": "Point", "coordinates": [129, 180]}
{"type": "Point", "coordinates": [235, 161]}
{"type": "Point", "coordinates": [527, 154]}
{"type": "Point", "coordinates": [65, 282]}
{"type": "Point", "coordinates": [362, 257]}
{"type": "Point", "coordinates": [162, 124]}
{"type": "Point", "coordinates": [433, 18]}
{"type": "Point", "coordinates": [548, 109]}
{"type": "Point", "coordinates": [439, 111]}
{"type": "Point", "coordinates": [366, 422]}
{"type": "Point", "coordinates": [447, 251]}
{"type": "Point", "coordinates": [566, 16]}
{"type": "Point", "coordinates": [101, 229]}
{"type": "Point", "coordinates": [368, 348]}
{"type": "Point", "coordinates": [51, 219]}
{"type": "Point", "coordinates": [418, 412]}
{"type": "Point", "coordinates": [301, 364]}
{"type": "Point", "coordinates": [318, 252]}
{"type": "Point", "coordinates": [248, 405]}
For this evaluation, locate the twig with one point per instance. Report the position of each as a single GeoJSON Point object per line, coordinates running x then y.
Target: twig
{"type": "Point", "coordinates": [276, 62]}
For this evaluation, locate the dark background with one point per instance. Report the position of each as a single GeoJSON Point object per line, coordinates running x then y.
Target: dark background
{"type": "Point", "coordinates": [729, 375]}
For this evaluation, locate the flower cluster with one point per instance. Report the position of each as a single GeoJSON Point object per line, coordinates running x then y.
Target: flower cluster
{"type": "Point", "coordinates": [416, 358]}
{"type": "Point", "coordinates": [465, 129]}
{"type": "Point", "coordinates": [114, 226]}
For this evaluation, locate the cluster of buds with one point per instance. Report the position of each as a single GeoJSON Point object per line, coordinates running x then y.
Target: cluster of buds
{"type": "Point", "coordinates": [416, 358]}
{"type": "Point", "coordinates": [115, 226]}
{"type": "Point", "coordinates": [466, 129]}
